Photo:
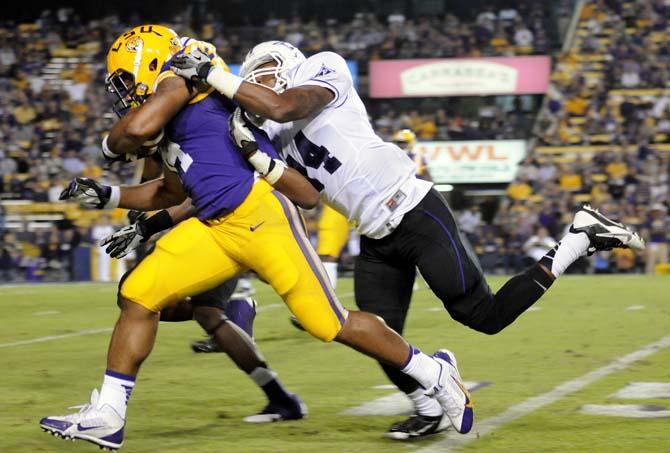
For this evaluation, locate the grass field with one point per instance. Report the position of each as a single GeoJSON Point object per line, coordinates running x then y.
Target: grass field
{"type": "Point", "coordinates": [193, 403]}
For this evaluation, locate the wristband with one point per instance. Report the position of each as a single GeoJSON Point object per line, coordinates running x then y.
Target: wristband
{"type": "Point", "coordinates": [157, 223]}
{"type": "Point", "coordinates": [275, 172]}
{"type": "Point", "coordinates": [114, 198]}
{"type": "Point", "coordinates": [106, 151]}
{"type": "Point", "coordinates": [269, 168]}
{"type": "Point", "coordinates": [261, 162]}
{"type": "Point", "coordinates": [224, 82]}
{"type": "Point", "coordinates": [154, 142]}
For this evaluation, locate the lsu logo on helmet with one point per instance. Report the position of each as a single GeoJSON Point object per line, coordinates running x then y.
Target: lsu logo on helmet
{"type": "Point", "coordinates": [134, 62]}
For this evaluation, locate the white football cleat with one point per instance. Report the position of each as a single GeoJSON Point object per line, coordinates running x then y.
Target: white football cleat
{"type": "Point", "coordinates": [603, 233]}
{"type": "Point", "coordinates": [102, 426]}
{"type": "Point", "coordinates": [452, 394]}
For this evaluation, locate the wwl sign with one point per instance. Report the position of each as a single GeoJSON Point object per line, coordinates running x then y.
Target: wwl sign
{"type": "Point", "coordinates": [466, 162]}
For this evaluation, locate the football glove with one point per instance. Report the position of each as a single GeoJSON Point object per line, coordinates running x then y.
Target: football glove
{"type": "Point", "coordinates": [241, 134]}
{"type": "Point", "coordinates": [91, 194]}
{"type": "Point", "coordinates": [194, 66]}
{"type": "Point", "coordinates": [135, 216]}
{"type": "Point", "coordinates": [125, 240]}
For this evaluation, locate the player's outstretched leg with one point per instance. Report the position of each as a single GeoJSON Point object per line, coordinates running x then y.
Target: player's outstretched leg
{"type": "Point", "coordinates": [590, 232]}
{"type": "Point", "coordinates": [102, 421]}
{"type": "Point", "coordinates": [450, 266]}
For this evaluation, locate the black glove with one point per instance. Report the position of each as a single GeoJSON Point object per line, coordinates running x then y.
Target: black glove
{"type": "Point", "coordinates": [135, 216]}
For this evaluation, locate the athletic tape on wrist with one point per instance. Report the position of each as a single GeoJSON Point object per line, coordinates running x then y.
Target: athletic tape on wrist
{"type": "Point", "coordinates": [114, 198]}
{"type": "Point", "coordinates": [275, 172]}
{"type": "Point", "coordinates": [261, 162]}
{"type": "Point", "coordinates": [224, 82]}
{"type": "Point", "coordinates": [269, 168]}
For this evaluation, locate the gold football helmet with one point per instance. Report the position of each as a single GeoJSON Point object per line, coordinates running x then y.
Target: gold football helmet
{"type": "Point", "coordinates": [405, 139]}
{"type": "Point", "coordinates": [135, 61]}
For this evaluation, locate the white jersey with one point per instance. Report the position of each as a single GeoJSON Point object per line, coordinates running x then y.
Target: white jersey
{"type": "Point", "coordinates": [370, 181]}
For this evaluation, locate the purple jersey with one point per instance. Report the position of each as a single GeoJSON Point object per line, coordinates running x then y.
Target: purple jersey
{"type": "Point", "coordinates": [212, 170]}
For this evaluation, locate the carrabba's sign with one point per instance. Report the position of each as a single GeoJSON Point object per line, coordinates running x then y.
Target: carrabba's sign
{"type": "Point", "coordinates": [459, 76]}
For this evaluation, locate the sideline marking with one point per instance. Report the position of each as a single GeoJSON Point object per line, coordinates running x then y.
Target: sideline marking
{"type": "Point", "coordinates": [46, 313]}
{"type": "Point", "coordinates": [635, 308]}
{"type": "Point", "coordinates": [80, 333]}
{"type": "Point", "coordinates": [625, 410]}
{"type": "Point", "coordinates": [534, 403]}
{"type": "Point", "coordinates": [644, 390]}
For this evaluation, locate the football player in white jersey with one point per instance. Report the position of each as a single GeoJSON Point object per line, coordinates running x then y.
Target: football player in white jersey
{"type": "Point", "coordinates": [314, 114]}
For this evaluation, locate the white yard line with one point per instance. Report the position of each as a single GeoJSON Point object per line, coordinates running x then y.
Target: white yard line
{"type": "Point", "coordinates": [85, 332]}
{"type": "Point", "coordinates": [532, 404]}
{"type": "Point", "coordinates": [80, 333]}
{"type": "Point", "coordinates": [263, 308]}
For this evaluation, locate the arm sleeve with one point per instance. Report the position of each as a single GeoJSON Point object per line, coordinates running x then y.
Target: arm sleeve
{"type": "Point", "coordinates": [328, 70]}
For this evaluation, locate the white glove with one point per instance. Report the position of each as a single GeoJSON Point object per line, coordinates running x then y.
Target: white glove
{"type": "Point", "coordinates": [125, 240]}
{"type": "Point", "coordinates": [194, 65]}
{"type": "Point", "coordinates": [241, 134]}
{"type": "Point", "coordinates": [91, 194]}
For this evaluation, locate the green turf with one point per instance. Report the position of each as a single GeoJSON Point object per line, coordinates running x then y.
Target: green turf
{"type": "Point", "coordinates": [193, 403]}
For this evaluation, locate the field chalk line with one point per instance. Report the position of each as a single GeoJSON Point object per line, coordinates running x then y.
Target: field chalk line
{"type": "Point", "coordinates": [85, 332]}
{"type": "Point", "coordinates": [534, 403]}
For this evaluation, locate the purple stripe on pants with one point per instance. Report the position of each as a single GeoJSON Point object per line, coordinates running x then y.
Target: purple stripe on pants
{"type": "Point", "coordinates": [334, 303]}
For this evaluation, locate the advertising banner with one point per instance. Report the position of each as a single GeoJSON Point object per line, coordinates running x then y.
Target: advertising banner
{"type": "Point", "coordinates": [466, 162]}
{"type": "Point", "coordinates": [459, 76]}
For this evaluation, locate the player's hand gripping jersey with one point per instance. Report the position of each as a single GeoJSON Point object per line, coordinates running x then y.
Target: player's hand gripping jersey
{"type": "Point", "coordinates": [337, 149]}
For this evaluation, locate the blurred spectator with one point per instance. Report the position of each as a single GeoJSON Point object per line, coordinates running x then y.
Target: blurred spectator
{"type": "Point", "coordinates": [519, 190]}
{"type": "Point", "coordinates": [101, 229]}
{"type": "Point", "coordinates": [658, 226]}
{"type": "Point", "coordinates": [538, 245]}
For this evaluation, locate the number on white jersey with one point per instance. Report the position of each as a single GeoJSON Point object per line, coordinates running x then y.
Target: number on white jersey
{"type": "Point", "coordinates": [313, 156]}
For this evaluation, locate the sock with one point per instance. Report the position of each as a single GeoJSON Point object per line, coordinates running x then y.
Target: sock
{"type": "Point", "coordinates": [425, 405]}
{"type": "Point", "coordinates": [331, 270]}
{"type": "Point", "coordinates": [267, 380]}
{"type": "Point", "coordinates": [567, 251]}
{"type": "Point", "coordinates": [423, 368]}
{"type": "Point", "coordinates": [242, 313]}
{"type": "Point", "coordinates": [116, 390]}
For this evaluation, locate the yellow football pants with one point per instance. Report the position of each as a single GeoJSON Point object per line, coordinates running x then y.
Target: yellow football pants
{"type": "Point", "coordinates": [333, 232]}
{"type": "Point", "coordinates": [263, 234]}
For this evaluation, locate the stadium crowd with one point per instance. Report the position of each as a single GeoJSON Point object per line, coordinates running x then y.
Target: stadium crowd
{"type": "Point", "coordinates": [50, 128]}
{"type": "Point", "coordinates": [613, 85]}
{"type": "Point", "coordinates": [610, 95]}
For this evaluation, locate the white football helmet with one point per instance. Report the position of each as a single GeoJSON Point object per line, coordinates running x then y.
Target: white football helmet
{"type": "Point", "coordinates": [286, 55]}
